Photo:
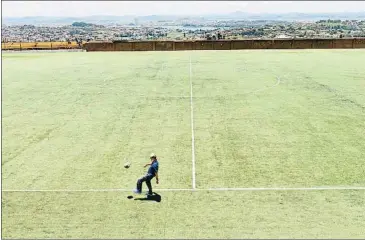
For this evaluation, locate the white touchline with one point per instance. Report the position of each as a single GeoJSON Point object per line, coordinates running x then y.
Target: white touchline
{"type": "Point", "coordinates": [288, 188]}
{"type": "Point", "coordinates": [88, 190]}
{"type": "Point", "coordinates": [195, 190]}
{"type": "Point", "coordinates": [192, 124]}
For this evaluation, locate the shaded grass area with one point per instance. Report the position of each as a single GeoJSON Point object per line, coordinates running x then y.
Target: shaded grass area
{"type": "Point", "coordinates": [292, 214]}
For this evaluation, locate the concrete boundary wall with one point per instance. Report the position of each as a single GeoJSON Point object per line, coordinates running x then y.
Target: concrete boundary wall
{"type": "Point", "coordinates": [359, 43]}
{"type": "Point", "coordinates": [144, 46]}
{"type": "Point", "coordinates": [165, 46]}
{"type": "Point", "coordinates": [225, 44]}
{"type": "Point", "coordinates": [102, 46]}
{"type": "Point", "coordinates": [323, 43]}
{"type": "Point", "coordinates": [22, 46]}
{"type": "Point", "coordinates": [244, 44]}
{"type": "Point", "coordinates": [183, 46]}
{"type": "Point", "coordinates": [123, 46]}
{"type": "Point", "coordinates": [302, 44]}
{"type": "Point", "coordinates": [203, 45]}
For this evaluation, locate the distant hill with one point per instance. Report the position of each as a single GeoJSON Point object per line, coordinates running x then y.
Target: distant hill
{"type": "Point", "coordinates": [63, 20]}
{"type": "Point", "coordinates": [83, 24]}
{"type": "Point", "coordinates": [105, 20]}
{"type": "Point", "coordinates": [296, 16]}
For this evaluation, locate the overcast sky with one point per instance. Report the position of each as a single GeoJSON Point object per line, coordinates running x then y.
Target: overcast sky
{"type": "Point", "coordinates": [78, 9]}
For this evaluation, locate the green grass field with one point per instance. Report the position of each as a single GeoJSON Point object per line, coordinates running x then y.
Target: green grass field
{"type": "Point", "coordinates": [279, 144]}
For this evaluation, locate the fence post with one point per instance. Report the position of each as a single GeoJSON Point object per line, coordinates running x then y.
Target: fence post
{"type": "Point", "coordinates": [20, 44]}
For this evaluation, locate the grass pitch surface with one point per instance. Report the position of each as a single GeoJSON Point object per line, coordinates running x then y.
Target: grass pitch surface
{"type": "Point", "coordinates": [261, 119]}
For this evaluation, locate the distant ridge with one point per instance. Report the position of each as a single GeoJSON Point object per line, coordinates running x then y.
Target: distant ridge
{"type": "Point", "coordinates": [238, 15]}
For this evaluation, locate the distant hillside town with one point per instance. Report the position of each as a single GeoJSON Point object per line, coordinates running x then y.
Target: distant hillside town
{"type": "Point", "coordinates": [189, 30]}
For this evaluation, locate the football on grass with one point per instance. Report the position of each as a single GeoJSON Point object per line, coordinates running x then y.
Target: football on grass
{"type": "Point", "coordinates": [127, 165]}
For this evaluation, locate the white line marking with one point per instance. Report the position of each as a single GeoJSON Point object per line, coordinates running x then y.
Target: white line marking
{"type": "Point", "coordinates": [287, 188]}
{"type": "Point", "coordinates": [89, 190]}
{"type": "Point", "coordinates": [192, 124]}
{"type": "Point", "coordinates": [193, 190]}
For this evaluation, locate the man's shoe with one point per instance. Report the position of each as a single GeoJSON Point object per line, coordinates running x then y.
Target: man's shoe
{"type": "Point", "coordinates": [149, 194]}
{"type": "Point", "coordinates": [137, 191]}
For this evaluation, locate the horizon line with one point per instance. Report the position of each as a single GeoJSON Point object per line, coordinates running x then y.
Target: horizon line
{"type": "Point", "coordinates": [181, 15]}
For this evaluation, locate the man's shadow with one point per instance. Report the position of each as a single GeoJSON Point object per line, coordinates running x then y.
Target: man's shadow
{"type": "Point", "coordinates": [155, 197]}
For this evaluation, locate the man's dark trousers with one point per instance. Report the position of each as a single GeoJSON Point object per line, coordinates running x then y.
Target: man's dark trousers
{"type": "Point", "coordinates": [146, 179]}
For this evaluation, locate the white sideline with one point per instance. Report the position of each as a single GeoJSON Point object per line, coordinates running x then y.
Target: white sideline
{"type": "Point", "coordinates": [192, 125]}
{"type": "Point", "coordinates": [288, 188]}
{"type": "Point", "coordinates": [196, 189]}
{"type": "Point", "coordinates": [88, 190]}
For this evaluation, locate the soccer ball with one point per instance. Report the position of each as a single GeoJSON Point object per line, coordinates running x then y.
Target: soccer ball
{"type": "Point", "coordinates": [127, 165]}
